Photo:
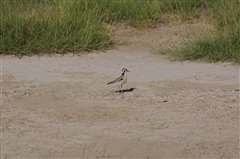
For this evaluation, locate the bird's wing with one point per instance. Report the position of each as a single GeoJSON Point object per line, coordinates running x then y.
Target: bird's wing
{"type": "Point", "coordinates": [116, 80]}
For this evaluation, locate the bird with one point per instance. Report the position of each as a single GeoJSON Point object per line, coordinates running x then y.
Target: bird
{"type": "Point", "coordinates": [120, 80]}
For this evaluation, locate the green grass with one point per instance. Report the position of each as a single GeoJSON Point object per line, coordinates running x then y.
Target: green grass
{"type": "Point", "coordinates": [222, 45]}
{"type": "Point", "coordinates": [36, 27]}
{"type": "Point", "coordinates": [211, 49]}
{"type": "Point", "coordinates": [43, 26]}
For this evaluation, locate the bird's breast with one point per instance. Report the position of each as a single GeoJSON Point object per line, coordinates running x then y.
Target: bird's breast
{"type": "Point", "coordinates": [124, 79]}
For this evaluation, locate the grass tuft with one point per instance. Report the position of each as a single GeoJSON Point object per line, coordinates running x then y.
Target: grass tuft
{"type": "Point", "coordinates": [210, 49]}
{"type": "Point", "coordinates": [36, 27]}
{"type": "Point", "coordinates": [224, 45]}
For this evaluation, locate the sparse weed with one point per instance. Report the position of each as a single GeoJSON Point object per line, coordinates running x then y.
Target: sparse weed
{"type": "Point", "coordinates": [223, 45]}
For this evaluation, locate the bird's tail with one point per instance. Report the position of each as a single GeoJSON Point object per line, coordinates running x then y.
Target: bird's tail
{"type": "Point", "coordinates": [110, 82]}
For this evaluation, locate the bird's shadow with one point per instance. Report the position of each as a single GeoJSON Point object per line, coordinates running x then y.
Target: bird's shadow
{"type": "Point", "coordinates": [126, 90]}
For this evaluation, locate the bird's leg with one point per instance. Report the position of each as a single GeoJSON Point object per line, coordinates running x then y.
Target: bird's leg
{"type": "Point", "coordinates": [121, 89]}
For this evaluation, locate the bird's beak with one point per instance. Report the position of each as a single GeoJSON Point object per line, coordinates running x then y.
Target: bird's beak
{"type": "Point", "coordinates": [128, 71]}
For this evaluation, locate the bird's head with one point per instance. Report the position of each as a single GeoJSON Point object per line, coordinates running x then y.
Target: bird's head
{"type": "Point", "coordinates": [124, 70]}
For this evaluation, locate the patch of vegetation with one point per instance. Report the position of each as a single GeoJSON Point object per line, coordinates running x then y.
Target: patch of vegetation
{"type": "Point", "coordinates": [42, 26]}
{"type": "Point", "coordinates": [34, 27]}
{"type": "Point", "coordinates": [221, 46]}
{"type": "Point", "coordinates": [211, 49]}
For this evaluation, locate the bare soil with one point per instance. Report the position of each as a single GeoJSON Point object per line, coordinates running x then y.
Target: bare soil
{"type": "Point", "coordinates": [61, 107]}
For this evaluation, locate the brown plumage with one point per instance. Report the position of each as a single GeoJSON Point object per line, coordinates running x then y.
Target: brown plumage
{"type": "Point", "coordinates": [120, 80]}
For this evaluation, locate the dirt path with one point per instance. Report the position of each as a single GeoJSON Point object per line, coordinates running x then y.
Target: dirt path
{"type": "Point", "coordinates": [61, 106]}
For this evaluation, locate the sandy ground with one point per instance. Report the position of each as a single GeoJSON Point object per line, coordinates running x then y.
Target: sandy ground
{"type": "Point", "coordinates": [61, 106]}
